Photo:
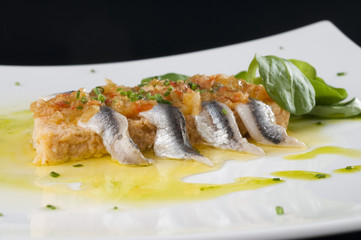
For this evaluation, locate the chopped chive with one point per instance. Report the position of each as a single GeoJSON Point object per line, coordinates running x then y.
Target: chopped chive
{"type": "Point", "coordinates": [79, 107]}
{"type": "Point", "coordinates": [341, 74]}
{"type": "Point", "coordinates": [78, 165]}
{"type": "Point", "coordinates": [276, 179]}
{"type": "Point", "coordinates": [84, 99]}
{"type": "Point", "coordinates": [194, 86]}
{"type": "Point", "coordinates": [17, 83]}
{"type": "Point", "coordinates": [166, 93]}
{"type": "Point", "coordinates": [50, 207]}
{"type": "Point", "coordinates": [96, 91]}
{"type": "Point", "coordinates": [101, 98]}
{"type": "Point", "coordinates": [54, 174]}
{"type": "Point", "coordinates": [279, 210]}
{"type": "Point", "coordinates": [320, 175]}
{"type": "Point", "coordinates": [78, 94]}
{"type": "Point", "coordinates": [115, 208]}
{"type": "Point", "coordinates": [224, 112]}
{"type": "Point", "coordinates": [348, 167]}
{"type": "Point", "coordinates": [92, 70]}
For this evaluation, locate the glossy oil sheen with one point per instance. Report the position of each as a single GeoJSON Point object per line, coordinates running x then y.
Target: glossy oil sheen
{"type": "Point", "coordinates": [300, 175]}
{"type": "Point", "coordinates": [344, 170]}
{"type": "Point", "coordinates": [352, 153]}
{"type": "Point", "coordinates": [106, 179]}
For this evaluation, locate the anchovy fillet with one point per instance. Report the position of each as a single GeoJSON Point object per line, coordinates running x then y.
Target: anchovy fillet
{"type": "Point", "coordinates": [113, 128]}
{"type": "Point", "coordinates": [217, 126]}
{"type": "Point", "coordinates": [171, 138]}
{"type": "Point", "coordinates": [260, 123]}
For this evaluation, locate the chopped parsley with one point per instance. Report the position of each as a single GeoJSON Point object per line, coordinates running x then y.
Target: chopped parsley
{"type": "Point", "coordinates": [17, 83]}
{"type": "Point", "coordinates": [279, 210]}
{"type": "Point", "coordinates": [78, 165]}
{"type": "Point", "coordinates": [348, 167]}
{"type": "Point", "coordinates": [54, 174]}
{"type": "Point", "coordinates": [50, 207]}
{"type": "Point", "coordinates": [78, 94]}
{"type": "Point", "coordinates": [341, 74]}
{"type": "Point", "coordinates": [92, 70]}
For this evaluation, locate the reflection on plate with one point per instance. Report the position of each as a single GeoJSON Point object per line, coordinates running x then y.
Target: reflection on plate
{"type": "Point", "coordinates": [311, 208]}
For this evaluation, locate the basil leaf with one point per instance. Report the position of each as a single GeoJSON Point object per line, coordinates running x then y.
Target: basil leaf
{"type": "Point", "coordinates": [241, 75]}
{"type": "Point", "coordinates": [307, 69]}
{"type": "Point", "coordinates": [341, 110]}
{"type": "Point", "coordinates": [285, 84]}
{"type": "Point", "coordinates": [325, 94]}
{"type": "Point", "coordinates": [169, 76]}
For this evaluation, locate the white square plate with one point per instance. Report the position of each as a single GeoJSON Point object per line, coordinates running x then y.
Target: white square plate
{"type": "Point", "coordinates": [312, 208]}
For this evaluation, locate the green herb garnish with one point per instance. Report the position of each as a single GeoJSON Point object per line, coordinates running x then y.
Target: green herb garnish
{"type": "Point", "coordinates": [115, 208]}
{"type": "Point", "coordinates": [341, 74]}
{"type": "Point", "coordinates": [50, 207]}
{"type": "Point", "coordinates": [78, 165]}
{"type": "Point", "coordinates": [54, 174]}
{"type": "Point", "coordinates": [276, 179]}
{"type": "Point", "coordinates": [166, 93]}
{"type": "Point", "coordinates": [209, 187]}
{"type": "Point", "coordinates": [101, 98]}
{"type": "Point", "coordinates": [348, 167]}
{"type": "Point", "coordinates": [17, 83]}
{"type": "Point", "coordinates": [92, 70]}
{"type": "Point", "coordinates": [78, 94]}
{"type": "Point", "coordinates": [224, 111]}
{"type": "Point", "coordinates": [295, 86]}
{"type": "Point", "coordinates": [79, 107]}
{"type": "Point", "coordinates": [84, 100]}
{"type": "Point", "coordinates": [279, 210]}
{"type": "Point", "coordinates": [1, 215]}
{"type": "Point", "coordinates": [320, 175]}
{"type": "Point", "coordinates": [319, 123]}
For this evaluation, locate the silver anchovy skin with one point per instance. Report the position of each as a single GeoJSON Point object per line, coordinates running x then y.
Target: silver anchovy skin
{"type": "Point", "coordinates": [113, 128]}
{"type": "Point", "coordinates": [171, 139]}
{"type": "Point", "coordinates": [260, 123]}
{"type": "Point", "coordinates": [217, 126]}
{"type": "Point", "coordinates": [50, 96]}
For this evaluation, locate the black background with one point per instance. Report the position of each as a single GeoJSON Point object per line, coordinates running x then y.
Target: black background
{"type": "Point", "coordinates": [56, 33]}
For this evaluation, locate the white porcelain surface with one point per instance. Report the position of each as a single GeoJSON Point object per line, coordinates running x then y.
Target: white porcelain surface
{"type": "Point", "coordinates": [313, 207]}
